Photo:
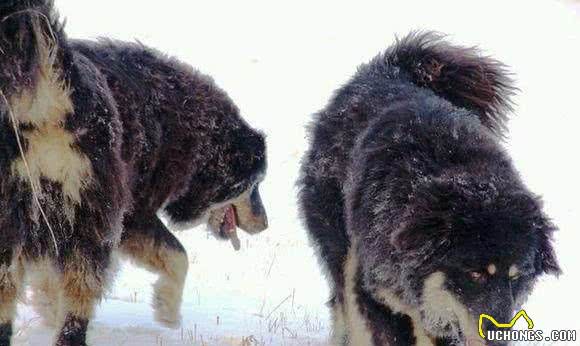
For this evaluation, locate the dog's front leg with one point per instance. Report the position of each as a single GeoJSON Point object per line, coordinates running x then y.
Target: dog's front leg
{"type": "Point", "coordinates": [148, 243]}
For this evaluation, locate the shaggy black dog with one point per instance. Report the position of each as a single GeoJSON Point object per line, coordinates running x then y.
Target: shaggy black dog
{"type": "Point", "coordinates": [415, 208]}
{"type": "Point", "coordinates": [96, 138]}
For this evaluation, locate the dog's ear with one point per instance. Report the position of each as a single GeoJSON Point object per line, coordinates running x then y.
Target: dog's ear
{"type": "Point", "coordinates": [546, 257]}
{"type": "Point", "coordinates": [548, 262]}
{"type": "Point", "coordinates": [543, 230]}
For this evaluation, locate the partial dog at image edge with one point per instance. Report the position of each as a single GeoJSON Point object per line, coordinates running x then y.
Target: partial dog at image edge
{"type": "Point", "coordinates": [96, 139]}
{"type": "Point", "coordinates": [417, 213]}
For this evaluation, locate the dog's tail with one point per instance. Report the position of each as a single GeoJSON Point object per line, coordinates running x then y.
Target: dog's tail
{"type": "Point", "coordinates": [459, 74]}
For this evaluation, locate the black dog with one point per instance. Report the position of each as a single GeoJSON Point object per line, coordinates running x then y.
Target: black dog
{"type": "Point", "coordinates": [416, 210]}
{"type": "Point", "coordinates": [96, 139]}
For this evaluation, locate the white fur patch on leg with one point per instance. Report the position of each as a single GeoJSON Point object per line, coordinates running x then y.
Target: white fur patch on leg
{"type": "Point", "coordinates": [171, 265]}
{"type": "Point", "coordinates": [339, 333]}
{"type": "Point", "coordinates": [168, 290]}
{"type": "Point", "coordinates": [46, 292]}
{"type": "Point", "coordinates": [397, 306]}
{"type": "Point", "coordinates": [358, 331]}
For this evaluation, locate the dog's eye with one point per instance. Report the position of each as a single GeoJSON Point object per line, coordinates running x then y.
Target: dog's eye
{"type": "Point", "coordinates": [528, 273]}
{"type": "Point", "coordinates": [477, 276]}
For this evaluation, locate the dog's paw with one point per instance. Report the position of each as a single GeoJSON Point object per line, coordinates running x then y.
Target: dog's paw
{"type": "Point", "coordinates": [168, 319]}
{"type": "Point", "coordinates": [167, 304]}
{"type": "Point", "coordinates": [45, 305]}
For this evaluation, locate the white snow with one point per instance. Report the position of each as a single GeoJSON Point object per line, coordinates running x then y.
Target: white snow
{"type": "Point", "coordinates": [280, 62]}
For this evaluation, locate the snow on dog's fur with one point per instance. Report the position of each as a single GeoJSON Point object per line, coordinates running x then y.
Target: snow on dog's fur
{"type": "Point", "coordinates": [96, 138]}
{"type": "Point", "coordinates": [413, 205]}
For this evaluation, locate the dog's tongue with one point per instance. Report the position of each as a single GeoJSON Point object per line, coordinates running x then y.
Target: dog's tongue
{"type": "Point", "coordinates": [229, 223]}
{"type": "Point", "coordinates": [229, 226]}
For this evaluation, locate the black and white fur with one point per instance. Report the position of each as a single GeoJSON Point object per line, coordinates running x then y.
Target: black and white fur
{"type": "Point", "coordinates": [417, 213]}
{"type": "Point", "coordinates": [96, 138]}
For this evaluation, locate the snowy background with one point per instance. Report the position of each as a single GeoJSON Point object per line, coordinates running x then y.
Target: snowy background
{"type": "Point", "coordinates": [280, 62]}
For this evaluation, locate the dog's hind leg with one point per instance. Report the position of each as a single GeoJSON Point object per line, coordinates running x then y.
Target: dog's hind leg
{"type": "Point", "coordinates": [11, 277]}
{"type": "Point", "coordinates": [46, 292]}
{"type": "Point", "coordinates": [148, 243]}
{"type": "Point", "coordinates": [323, 210]}
{"type": "Point", "coordinates": [339, 331]}
{"type": "Point", "coordinates": [84, 278]}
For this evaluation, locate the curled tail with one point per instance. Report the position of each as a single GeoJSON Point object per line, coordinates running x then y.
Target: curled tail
{"type": "Point", "coordinates": [459, 74]}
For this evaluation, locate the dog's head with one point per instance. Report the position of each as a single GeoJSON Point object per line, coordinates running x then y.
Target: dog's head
{"type": "Point", "coordinates": [465, 246]}
{"type": "Point", "coordinates": [246, 212]}
{"type": "Point", "coordinates": [237, 201]}
{"type": "Point", "coordinates": [480, 248]}
{"type": "Point", "coordinates": [224, 191]}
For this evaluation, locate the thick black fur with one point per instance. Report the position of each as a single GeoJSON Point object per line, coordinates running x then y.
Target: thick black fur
{"type": "Point", "coordinates": [202, 155]}
{"type": "Point", "coordinates": [158, 135]}
{"type": "Point", "coordinates": [406, 163]}
{"type": "Point", "coordinates": [5, 334]}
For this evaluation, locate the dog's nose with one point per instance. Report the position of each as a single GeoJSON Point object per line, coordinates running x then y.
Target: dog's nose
{"type": "Point", "coordinates": [262, 225]}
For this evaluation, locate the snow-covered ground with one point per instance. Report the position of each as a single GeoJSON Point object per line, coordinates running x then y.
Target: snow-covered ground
{"type": "Point", "coordinates": [280, 62]}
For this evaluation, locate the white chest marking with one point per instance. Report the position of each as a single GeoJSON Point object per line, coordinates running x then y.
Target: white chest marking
{"type": "Point", "coordinates": [441, 307]}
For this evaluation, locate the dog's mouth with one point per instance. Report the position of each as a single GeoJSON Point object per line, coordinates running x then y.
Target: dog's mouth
{"type": "Point", "coordinates": [224, 224]}
{"type": "Point", "coordinates": [247, 213]}
{"type": "Point", "coordinates": [229, 222]}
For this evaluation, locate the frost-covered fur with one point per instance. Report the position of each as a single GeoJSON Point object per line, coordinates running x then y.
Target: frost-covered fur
{"type": "Point", "coordinates": [95, 138]}
{"type": "Point", "coordinates": [406, 172]}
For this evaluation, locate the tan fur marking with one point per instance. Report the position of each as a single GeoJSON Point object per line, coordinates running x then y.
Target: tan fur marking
{"type": "Point", "coordinates": [244, 212]}
{"type": "Point", "coordinates": [514, 271]}
{"type": "Point", "coordinates": [356, 325]}
{"type": "Point", "coordinates": [247, 220]}
{"type": "Point", "coordinates": [82, 288]}
{"type": "Point", "coordinates": [172, 266]}
{"type": "Point", "coordinates": [81, 294]}
{"type": "Point", "coordinates": [491, 269]}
